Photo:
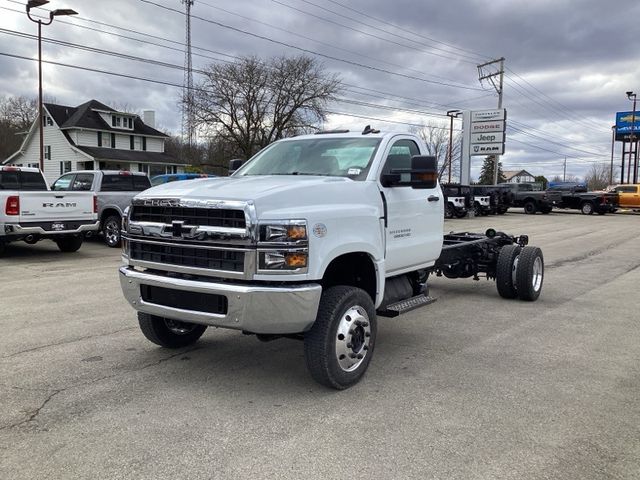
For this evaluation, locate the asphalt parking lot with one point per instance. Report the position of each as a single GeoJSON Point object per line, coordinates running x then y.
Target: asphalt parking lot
{"type": "Point", "coordinates": [472, 386]}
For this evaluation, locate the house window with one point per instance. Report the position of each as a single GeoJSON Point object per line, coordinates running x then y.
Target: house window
{"type": "Point", "coordinates": [118, 120]}
{"type": "Point", "coordinates": [65, 167]}
{"type": "Point", "coordinates": [46, 121]}
{"type": "Point", "coordinates": [131, 145]}
{"type": "Point", "coordinates": [99, 139]}
{"type": "Point", "coordinates": [32, 165]}
{"type": "Point", "coordinates": [47, 152]}
{"type": "Point", "coordinates": [130, 120]}
{"type": "Point", "coordinates": [113, 120]}
{"type": "Point", "coordinates": [144, 143]}
{"type": "Point", "coordinates": [113, 140]}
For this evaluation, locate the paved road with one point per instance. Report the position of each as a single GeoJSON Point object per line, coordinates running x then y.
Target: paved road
{"type": "Point", "coordinates": [471, 387]}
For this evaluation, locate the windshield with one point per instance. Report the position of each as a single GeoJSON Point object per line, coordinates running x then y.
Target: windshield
{"type": "Point", "coordinates": [334, 157]}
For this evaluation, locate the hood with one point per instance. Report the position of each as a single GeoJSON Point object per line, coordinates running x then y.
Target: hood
{"type": "Point", "coordinates": [280, 195]}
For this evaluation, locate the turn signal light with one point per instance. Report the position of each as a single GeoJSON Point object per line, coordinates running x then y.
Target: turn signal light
{"type": "Point", "coordinates": [297, 232]}
{"type": "Point", "coordinates": [13, 205]}
{"type": "Point", "coordinates": [95, 204]}
{"type": "Point", "coordinates": [296, 260]}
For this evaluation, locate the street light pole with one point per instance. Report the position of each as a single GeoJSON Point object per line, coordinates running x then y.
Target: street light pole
{"type": "Point", "coordinates": [633, 143]}
{"type": "Point", "coordinates": [451, 114]}
{"type": "Point", "coordinates": [613, 140]}
{"type": "Point", "coordinates": [35, 4]}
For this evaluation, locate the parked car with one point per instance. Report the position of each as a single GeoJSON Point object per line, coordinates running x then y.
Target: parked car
{"type": "Point", "coordinates": [500, 199]}
{"type": "Point", "coordinates": [457, 200]}
{"type": "Point", "coordinates": [30, 212]}
{"type": "Point", "coordinates": [577, 197]}
{"type": "Point", "coordinates": [628, 195]}
{"type": "Point", "coordinates": [114, 190]}
{"type": "Point", "coordinates": [527, 196]}
{"type": "Point", "coordinates": [174, 177]}
{"type": "Point", "coordinates": [481, 200]}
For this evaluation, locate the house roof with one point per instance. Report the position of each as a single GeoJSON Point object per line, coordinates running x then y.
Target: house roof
{"type": "Point", "coordinates": [509, 174]}
{"type": "Point", "coordinates": [86, 116]}
{"type": "Point", "coordinates": [135, 156]}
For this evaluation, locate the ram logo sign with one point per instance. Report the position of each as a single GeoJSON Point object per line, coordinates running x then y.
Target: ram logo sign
{"type": "Point", "coordinates": [59, 205]}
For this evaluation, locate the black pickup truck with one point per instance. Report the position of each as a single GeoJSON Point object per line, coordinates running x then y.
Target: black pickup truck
{"type": "Point", "coordinates": [526, 196]}
{"type": "Point", "coordinates": [577, 197]}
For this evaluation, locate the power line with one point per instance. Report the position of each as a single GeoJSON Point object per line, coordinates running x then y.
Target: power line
{"type": "Point", "coordinates": [470, 59]}
{"type": "Point", "coordinates": [306, 50]}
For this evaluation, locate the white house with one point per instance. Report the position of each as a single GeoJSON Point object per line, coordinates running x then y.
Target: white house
{"type": "Point", "coordinates": [518, 176]}
{"type": "Point", "coordinates": [94, 136]}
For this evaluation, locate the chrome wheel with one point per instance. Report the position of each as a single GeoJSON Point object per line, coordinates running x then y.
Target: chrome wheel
{"type": "Point", "coordinates": [352, 338]}
{"type": "Point", "coordinates": [111, 231]}
{"type": "Point", "coordinates": [536, 277]}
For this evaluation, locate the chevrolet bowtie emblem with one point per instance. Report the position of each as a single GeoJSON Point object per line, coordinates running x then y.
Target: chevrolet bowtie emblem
{"type": "Point", "coordinates": [177, 229]}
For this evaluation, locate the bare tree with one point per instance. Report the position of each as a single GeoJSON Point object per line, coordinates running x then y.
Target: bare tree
{"type": "Point", "coordinates": [436, 139]}
{"type": "Point", "coordinates": [252, 103]}
{"type": "Point", "coordinates": [16, 116]}
{"type": "Point", "coordinates": [598, 176]}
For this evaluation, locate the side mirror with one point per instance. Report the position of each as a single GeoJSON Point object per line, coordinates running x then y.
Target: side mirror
{"type": "Point", "coordinates": [424, 172]}
{"type": "Point", "coordinates": [235, 164]}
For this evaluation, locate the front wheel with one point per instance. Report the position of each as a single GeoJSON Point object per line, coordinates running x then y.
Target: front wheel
{"type": "Point", "coordinates": [529, 273]}
{"type": "Point", "coordinates": [339, 346]}
{"type": "Point", "coordinates": [69, 244]}
{"type": "Point", "coordinates": [169, 333]}
{"type": "Point", "coordinates": [111, 231]}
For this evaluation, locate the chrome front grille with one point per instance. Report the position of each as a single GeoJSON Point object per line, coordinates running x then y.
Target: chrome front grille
{"type": "Point", "coordinates": [187, 256]}
{"type": "Point", "coordinates": [208, 217]}
{"type": "Point", "coordinates": [199, 237]}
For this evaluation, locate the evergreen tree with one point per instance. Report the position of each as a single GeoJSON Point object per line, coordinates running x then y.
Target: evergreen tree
{"type": "Point", "coordinates": [486, 173]}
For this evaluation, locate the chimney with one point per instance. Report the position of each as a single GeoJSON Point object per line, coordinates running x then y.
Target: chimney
{"type": "Point", "coordinates": [149, 118]}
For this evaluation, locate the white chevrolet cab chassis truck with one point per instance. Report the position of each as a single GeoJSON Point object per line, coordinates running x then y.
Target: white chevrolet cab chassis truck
{"type": "Point", "coordinates": [310, 239]}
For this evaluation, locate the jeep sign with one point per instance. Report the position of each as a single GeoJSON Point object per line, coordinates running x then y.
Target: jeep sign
{"type": "Point", "coordinates": [493, 137]}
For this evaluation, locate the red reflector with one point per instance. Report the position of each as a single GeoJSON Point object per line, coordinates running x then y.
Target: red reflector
{"type": "Point", "coordinates": [13, 206]}
{"type": "Point", "coordinates": [95, 204]}
{"type": "Point", "coordinates": [10, 169]}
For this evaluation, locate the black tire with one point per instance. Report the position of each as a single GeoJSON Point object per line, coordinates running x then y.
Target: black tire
{"type": "Point", "coordinates": [477, 210]}
{"type": "Point", "coordinates": [69, 244]}
{"type": "Point", "coordinates": [529, 273]}
{"type": "Point", "coordinates": [587, 208]}
{"type": "Point", "coordinates": [502, 210]}
{"type": "Point", "coordinates": [461, 213]}
{"type": "Point", "coordinates": [111, 230]}
{"type": "Point", "coordinates": [346, 323]}
{"type": "Point", "coordinates": [530, 207]}
{"type": "Point", "coordinates": [504, 271]}
{"type": "Point", "coordinates": [448, 210]}
{"type": "Point", "coordinates": [546, 210]}
{"type": "Point", "coordinates": [169, 333]}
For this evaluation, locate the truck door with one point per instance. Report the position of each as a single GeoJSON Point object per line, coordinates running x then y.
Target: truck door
{"type": "Point", "coordinates": [414, 217]}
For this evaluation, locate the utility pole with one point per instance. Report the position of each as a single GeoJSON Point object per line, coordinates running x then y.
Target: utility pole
{"type": "Point", "coordinates": [564, 170]}
{"type": "Point", "coordinates": [613, 146]}
{"type": "Point", "coordinates": [482, 75]}
{"type": "Point", "coordinates": [451, 114]}
{"type": "Point", "coordinates": [187, 85]}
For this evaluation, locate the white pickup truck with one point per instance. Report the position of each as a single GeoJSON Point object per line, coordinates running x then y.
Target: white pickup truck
{"type": "Point", "coordinates": [311, 239]}
{"type": "Point", "coordinates": [31, 212]}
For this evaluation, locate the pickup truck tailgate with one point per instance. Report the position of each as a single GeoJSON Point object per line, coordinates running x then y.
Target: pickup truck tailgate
{"type": "Point", "coordinates": [56, 206]}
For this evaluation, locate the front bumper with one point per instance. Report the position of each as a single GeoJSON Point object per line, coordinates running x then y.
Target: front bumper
{"type": "Point", "coordinates": [251, 308]}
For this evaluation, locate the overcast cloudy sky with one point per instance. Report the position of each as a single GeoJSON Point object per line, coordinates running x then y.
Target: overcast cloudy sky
{"type": "Point", "coordinates": [568, 63]}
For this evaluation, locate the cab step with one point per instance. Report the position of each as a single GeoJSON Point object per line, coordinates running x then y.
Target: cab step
{"type": "Point", "coordinates": [404, 306]}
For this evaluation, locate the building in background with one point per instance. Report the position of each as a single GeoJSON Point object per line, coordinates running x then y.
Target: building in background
{"type": "Point", "coordinates": [518, 176]}
{"type": "Point", "coordinates": [94, 136]}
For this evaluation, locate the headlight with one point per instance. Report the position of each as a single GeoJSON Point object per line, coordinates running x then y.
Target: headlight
{"type": "Point", "coordinates": [282, 260]}
{"type": "Point", "coordinates": [291, 231]}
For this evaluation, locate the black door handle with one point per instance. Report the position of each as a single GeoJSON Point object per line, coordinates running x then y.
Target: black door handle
{"type": "Point", "coordinates": [433, 198]}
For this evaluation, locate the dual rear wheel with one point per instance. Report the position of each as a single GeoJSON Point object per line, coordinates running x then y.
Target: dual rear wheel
{"type": "Point", "coordinates": [520, 272]}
